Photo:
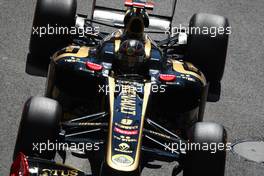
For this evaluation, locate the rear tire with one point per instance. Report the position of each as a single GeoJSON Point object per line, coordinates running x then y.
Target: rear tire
{"type": "Point", "coordinates": [206, 163]}
{"type": "Point", "coordinates": [208, 50]}
{"type": "Point", "coordinates": [39, 123]}
{"type": "Point", "coordinates": [53, 13]}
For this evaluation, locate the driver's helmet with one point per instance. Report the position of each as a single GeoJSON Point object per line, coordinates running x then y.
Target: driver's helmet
{"type": "Point", "coordinates": [131, 56]}
{"type": "Point", "coordinates": [135, 21]}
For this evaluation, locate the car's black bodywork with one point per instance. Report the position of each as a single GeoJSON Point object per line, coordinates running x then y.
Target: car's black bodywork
{"type": "Point", "coordinates": [131, 116]}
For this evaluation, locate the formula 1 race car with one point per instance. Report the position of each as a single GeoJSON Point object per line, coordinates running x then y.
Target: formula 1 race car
{"type": "Point", "coordinates": [129, 98]}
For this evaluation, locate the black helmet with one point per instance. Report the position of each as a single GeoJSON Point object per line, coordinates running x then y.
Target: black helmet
{"type": "Point", "coordinates": [135, 21]}
{"type": "Point", "coordinates": [131, 56]}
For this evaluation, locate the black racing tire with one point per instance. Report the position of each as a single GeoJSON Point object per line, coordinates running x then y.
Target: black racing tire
{"type": "Point", "coordinates": [39, 124]}
{"type": "Point", "coordinates": [208, 50]}
{"type": "Point", "coordinates": [53, 13]}
{"type": "Point", "coordinates": [210, 162]}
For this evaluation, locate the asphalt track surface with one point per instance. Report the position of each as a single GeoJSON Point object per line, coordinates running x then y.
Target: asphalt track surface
{"type": "Point", "coordinates": [241, 109]}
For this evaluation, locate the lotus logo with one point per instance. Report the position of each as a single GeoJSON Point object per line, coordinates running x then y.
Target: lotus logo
{"type": "Point", "coordinates": [122, 160]}
{"type": "Point", "coordinates": [124, 146]}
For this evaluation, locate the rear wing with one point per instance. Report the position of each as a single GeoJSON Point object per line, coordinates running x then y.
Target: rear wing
{"type": "Point", "coordinates": [149, 5]}
{"type": "Point", "coordinates": [116, 16]}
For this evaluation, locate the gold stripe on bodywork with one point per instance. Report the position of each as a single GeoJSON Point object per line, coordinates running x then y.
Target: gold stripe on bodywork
{"type": "Point", "coordinates": [117, 40]}
{"type": "Point", "coordinates": [83, 52]}
{"type": "Point", "coordinates": [117, 45]}
{"type": "Point", "coordinates": [135, 165]}
{"type": "Point", "coordinates": [178, 67]}
{"type": "Point", "coordinates": [148, 48]}
{"type": "Point", "coordinates": [111, 83]}
{"type": "Point", "coordinates": [69, 49]}
{"type": "Point", "coordinates": [147, 90]}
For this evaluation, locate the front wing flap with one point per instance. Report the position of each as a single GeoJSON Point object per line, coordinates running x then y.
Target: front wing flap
{"type": "Point", "coordinates": [41, 167]}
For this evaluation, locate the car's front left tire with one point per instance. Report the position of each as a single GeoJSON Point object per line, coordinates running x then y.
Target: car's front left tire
{"type": "Point", "coordinates": [207, 48]}
{"type": "Point", "coordinates": [39, 124]}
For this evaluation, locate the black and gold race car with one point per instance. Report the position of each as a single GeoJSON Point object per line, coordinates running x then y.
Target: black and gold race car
{"type": "Point", "coordinates": [122, 99]}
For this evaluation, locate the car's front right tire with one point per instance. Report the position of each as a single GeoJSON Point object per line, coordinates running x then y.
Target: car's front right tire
{"type": "Point", "coordinates": [210, 158]}
{"type": "Point", "coordinates": [53, 21]}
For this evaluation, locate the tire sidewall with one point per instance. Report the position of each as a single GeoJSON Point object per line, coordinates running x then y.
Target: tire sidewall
{"type": "Point", "coordinates": [36, 129]}
{"type": "Point", "coordinates": [199, 162]}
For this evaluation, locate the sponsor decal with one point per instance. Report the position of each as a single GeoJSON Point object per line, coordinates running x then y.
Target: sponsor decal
{"type": "Point", "coordinates": [72, 60]}
{"type": "Point", "coordinates": [125, 139]}
{"type": "Point", "coordinates": [126, 132]}
{"type": "Point", "coordinates": [122, 160]}
{"type": "Point", "coordinates": [124, 148]}
{"type": "Point", "coordinates": [126, 127]}
{"type": "Point", "coordinates": [128, 100]}
{"type": "Point", "coordinates": [126, 121]}
{"type": "Point", "coordinates": [53, 172]}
